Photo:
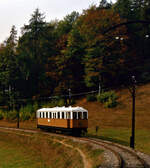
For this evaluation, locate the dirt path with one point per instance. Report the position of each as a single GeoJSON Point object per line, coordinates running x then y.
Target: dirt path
{"type": "Point", "coordinates": [84, 158]}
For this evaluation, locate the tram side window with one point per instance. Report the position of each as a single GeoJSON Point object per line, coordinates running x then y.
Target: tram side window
{"type": "Point", "coordinates": [46, 114]}
{"type": "Point", "coordinates": [63, 115]}
{"type": "Point", "coordinates": [74, 115]}
{"type": "Point", "coordinates": [79, 115]}
{"type": "Point", "coordinates": [68, 115]}
{"type": "Point", "coordinates": [40, 115]}
{"type": "Point", "coordinates": [84, 115]}
{"type": "Point", "coordinates": [58, 115]}
{"type": "Point", "coordinates": [50, 115]}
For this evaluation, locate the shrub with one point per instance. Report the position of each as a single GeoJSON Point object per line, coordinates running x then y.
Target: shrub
{"type": "Point", "coordinates": [110, 103]}
{"type": "Point", "coordinates": [103, 97]}
{"type": "Point", "coordinates": [108, 98]}
{"type": "Point", "coordinates": [35, 107]}
{"type": "Point", "coordinates": [27, 112]}
{"type": "Point", "coordinates": [12, 115]}
{"type": "Point", "coordinates": [1, 115]}
{"type": "Point", "coordinates": [91, 98]}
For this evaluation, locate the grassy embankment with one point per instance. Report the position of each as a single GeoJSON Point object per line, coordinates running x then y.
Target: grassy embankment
{"type": "Point", "coordinates": [115, 124]}
{"type": "Point", "coordinates": [35, 151]}
{"type": "Point", "coordinates": [20, 150]}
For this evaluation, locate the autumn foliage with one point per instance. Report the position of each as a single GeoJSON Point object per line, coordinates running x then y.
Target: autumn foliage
{"type": "Point", "coordinates": [75, 53]}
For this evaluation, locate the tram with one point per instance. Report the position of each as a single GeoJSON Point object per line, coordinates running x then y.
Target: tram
{"type": "Point", "coordinates": [72, 120]}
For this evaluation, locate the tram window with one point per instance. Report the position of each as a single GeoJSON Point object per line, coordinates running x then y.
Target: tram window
{"type": "Point", "coordinates": [46, 114]}
{"type": "Point", "coordinates": [74, 115]}
{"type": "Point", "coordinates": [68, 115]}
{"type": "Point", "coordinates": [58, 115]}
{"type": "Point", "coordinates": [43, 114]}
{"type": "Point", "coordinates": [50, 115]}
{"type": "Point", "coordinates": [79, 115]}
{"type": "Point", "coordinates": [63, 115]}
{"type": "Point", "coordinates": [84, 115]}
{"type": "Point", "coordinates": [40, 115]}
{"type": "Point", "coordinates": [55, 115]}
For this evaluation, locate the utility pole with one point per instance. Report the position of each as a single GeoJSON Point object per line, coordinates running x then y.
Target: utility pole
{"type": "Point", "coordinates": [69, 96]}
{"type": "Point", "coordinates": [18, 117]}
{"type": "Point", "coordinates": [132, 138]}
{"type": "Point", "coordinates": [99, 89]}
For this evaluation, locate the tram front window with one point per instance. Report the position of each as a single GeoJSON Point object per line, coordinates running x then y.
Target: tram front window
{"type": "Point", "coordinates": [74, 115]}
{"type": "Point", "coordinates": [80, 115]}
{"type": "Point", "coordinates": [84, 115]}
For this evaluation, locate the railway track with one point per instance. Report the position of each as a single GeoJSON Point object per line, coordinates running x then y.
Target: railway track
{"type": "Point", "coordinates": [116, 156]}
{"type": "Point", "coordinates": [127, 158]}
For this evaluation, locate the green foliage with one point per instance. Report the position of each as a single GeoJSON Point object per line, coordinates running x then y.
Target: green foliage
{"type": "Point", "coordinates": [111, 103]}
{"type": "Point", "coordinates": [1, 115]}
{"type": "Point", "coordinates": [12, 115]}
{"type": "Point", "coordinates": [75, 53]}
{"type": "Point", "coordinates": [108, 98]}
{"type": "Point", "coordinates": [28, 112]}
{"type": "Point", "coordinates": [35, 107]}
{"type": "Point", "coordinates": [91, 98]}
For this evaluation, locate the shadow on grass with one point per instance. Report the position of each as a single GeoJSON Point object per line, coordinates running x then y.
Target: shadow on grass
{"type": "Point", "coordinates": [109, 139]}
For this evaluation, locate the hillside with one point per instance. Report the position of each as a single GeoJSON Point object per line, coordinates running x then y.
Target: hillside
{"type": "Point", "coordinates": [115, 124]}
{"type": "Point", "coordinates": [121, 115]}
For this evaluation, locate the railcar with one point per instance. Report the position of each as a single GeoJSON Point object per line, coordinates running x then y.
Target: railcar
{"type": "Point", "coordinates": [72, 120]}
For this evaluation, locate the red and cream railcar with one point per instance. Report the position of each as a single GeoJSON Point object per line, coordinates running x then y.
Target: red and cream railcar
{"type": "Point", "coordinates": [65, 119]}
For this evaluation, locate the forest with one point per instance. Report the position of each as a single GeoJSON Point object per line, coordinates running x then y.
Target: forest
{"type": "Point", "coordinates": [77, 52]}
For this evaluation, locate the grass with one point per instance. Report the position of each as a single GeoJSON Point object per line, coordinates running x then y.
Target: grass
{"type": "Point", "coordinates": [122, 136]}
{"type": "Point", "coordinates": [15, 155]}
{"type": "Point", "coordinates": [94, 155]}
{"type": "Point", "coordinates": [115, 124]}
{"type": "Point", "coordinates": [35, 151]}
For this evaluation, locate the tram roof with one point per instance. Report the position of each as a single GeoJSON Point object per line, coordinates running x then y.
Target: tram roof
{"type": "Point", "coordinates": [63, 109]}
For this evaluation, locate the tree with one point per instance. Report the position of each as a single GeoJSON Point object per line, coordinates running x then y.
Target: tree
{"type": "Point", "coordinates": [32, 51]}
{"type": "Point", "coordinates": [104, 4]}
{"type": "Point", "coordinates": [9, 71]}
{"type": "Point", "coordinates": [104, 54]}
{"type": "Point", "coordinates": [64, 58]}
{"type": "Point", "coordinates": [138, 52]}
{"type": "Point", "coordinates": [9, 61]}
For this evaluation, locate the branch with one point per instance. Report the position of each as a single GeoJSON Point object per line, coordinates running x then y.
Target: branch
{"type": "Point", "coordinates": [127, 23]}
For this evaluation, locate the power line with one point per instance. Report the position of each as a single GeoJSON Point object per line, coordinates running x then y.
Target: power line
{"type": "Point", "coordinates": [58, 96]}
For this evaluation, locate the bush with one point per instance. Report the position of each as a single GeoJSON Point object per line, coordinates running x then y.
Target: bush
{"type": "Point", "coordinates": [108, 98]}
{"type": "Point", "coordinates": [1, 115]}
{"type": "Point", "coordinates": [12, 115]}
{"type": "Point", "coordinates": [27, 112]}
{"type": "Point", "coordinates": [91, 98]}
{"type": "Point", "coordinates": [35, 107]}
{"type": "Point", "coordinates": [110, 103]}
